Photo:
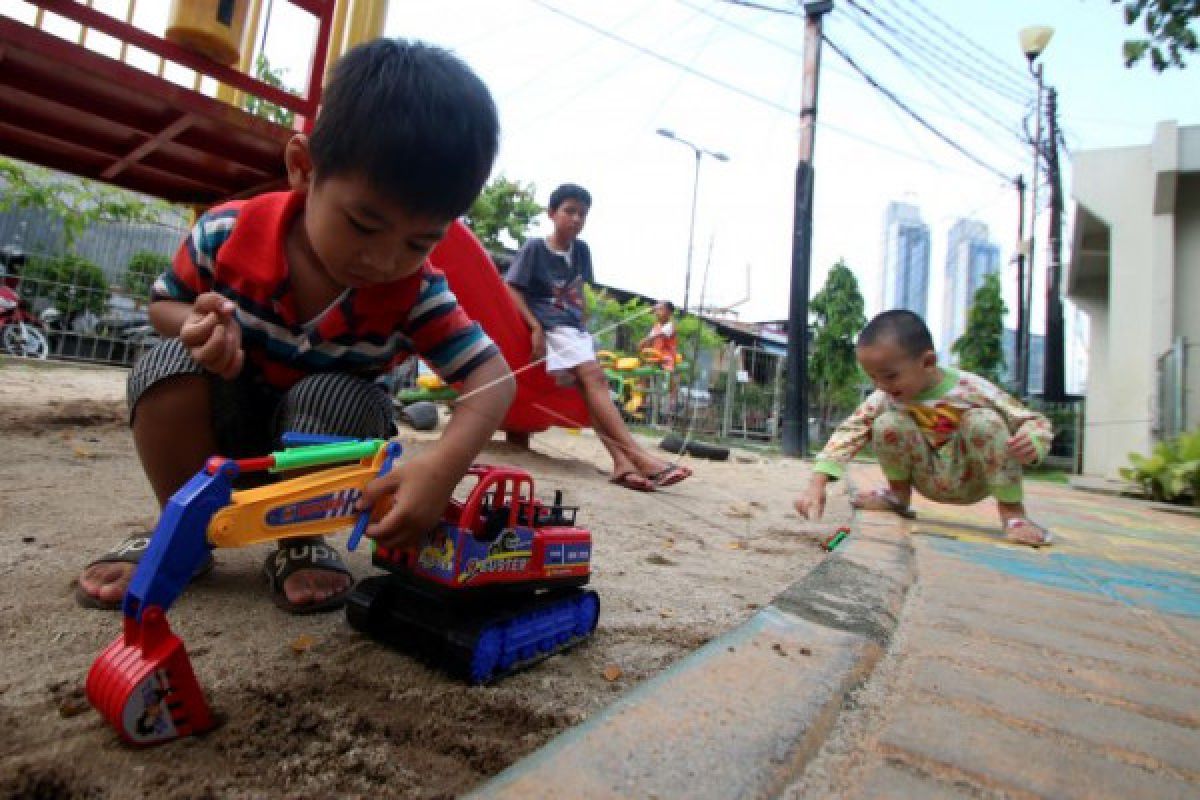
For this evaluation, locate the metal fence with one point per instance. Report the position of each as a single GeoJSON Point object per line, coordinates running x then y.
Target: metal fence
{"type": "Point", "coordinates": [1170, 414]}
{"type": "Point", "coordinates": [81, 299]}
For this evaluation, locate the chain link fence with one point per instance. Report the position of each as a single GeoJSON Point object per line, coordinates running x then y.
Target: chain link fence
{"type": "Point", "coordinates": [89, 302]}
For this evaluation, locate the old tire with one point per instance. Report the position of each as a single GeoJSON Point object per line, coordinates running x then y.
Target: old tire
{"type": "Point", "coordinates": [421, 415]}
{"type": "Point", "coordinates": [673, 443]}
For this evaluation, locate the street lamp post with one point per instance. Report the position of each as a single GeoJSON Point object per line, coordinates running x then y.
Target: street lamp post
{"type": "Point", "coordinates": [700, 152]}
{"type": "Point", "coordinates": [1033, 41]}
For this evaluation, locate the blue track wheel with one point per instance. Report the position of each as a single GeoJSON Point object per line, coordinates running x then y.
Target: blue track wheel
{"type": "Point", "coordinates": [587, 613]}
{"type": "Point", "coordinates": [486, 656]}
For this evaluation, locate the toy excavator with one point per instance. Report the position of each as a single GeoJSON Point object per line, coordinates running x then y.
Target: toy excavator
{"type": "Point", "coordinates": [494, 588]}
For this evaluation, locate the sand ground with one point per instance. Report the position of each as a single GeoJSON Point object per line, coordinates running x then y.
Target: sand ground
{"type": "Point", "coordinates": [311, 708]}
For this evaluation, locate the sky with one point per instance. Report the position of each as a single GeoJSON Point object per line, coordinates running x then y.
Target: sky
{"type": "Point", "coordinates": [582, 87]}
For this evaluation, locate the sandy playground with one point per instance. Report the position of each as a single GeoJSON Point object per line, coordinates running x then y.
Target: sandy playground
{"type": "Point", "coordinates": [309, 707]}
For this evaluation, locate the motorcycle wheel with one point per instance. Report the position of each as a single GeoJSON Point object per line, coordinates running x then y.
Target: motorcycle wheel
{"type": "Point", "coordinates": [24, 340]}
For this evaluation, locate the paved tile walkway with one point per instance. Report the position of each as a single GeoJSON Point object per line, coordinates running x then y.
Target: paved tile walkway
{"type": "Point", "coordinates": [1072, 671]}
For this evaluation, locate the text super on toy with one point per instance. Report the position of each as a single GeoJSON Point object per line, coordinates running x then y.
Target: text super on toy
{"type": "Point", "coordinates": [496, 587]}
{"type": "Point", "coordinates": [500, 538]}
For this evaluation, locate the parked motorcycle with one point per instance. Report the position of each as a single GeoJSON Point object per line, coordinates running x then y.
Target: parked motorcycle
{"type": "Point", "coordinates": [21, 333]}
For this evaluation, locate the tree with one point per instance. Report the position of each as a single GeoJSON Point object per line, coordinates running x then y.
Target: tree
{"type": "Point", "coordinates": [77, 203]}
{"type": "Point", "coordinates": [144, 267]}
{"type": "Point", "coordinates": [833, 367]}
{"type": "Point", "coordinates": [261, 108]}
{"type": "Point", "coordinates": [980, 348]}
{"type": "Point", "coordinates": [503, 206]}
{"type": "Point", "coordinates": [1168, 28]}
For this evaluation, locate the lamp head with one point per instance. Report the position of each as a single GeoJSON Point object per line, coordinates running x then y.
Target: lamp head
{"type": "Point", "coordinates": [1034, 40]}
{"type": "Point", "coordinates": [667, 133]}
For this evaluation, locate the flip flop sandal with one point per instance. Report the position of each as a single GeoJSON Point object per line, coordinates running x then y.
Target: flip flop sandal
{"type": "Point", "coordinates": [129, 551]}
{"type": "Point", "coordinates": [307, 553]}
{"type": "Point", "coordinates": [1012, 532]}
{"type": "Point", "coordinates": [632, 480]}
{"type": "Point", "coordinates": [881, 500]}
{"type": "Point", "coordinates": [670, 475]}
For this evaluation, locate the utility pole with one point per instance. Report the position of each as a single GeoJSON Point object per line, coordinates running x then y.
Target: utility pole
{"type": "Point", "coordinates": [795, 409]}
{"type": "Point", "coordinates": [1026, 335]}
{"type": "Point", "coordinates": [1053, 388]}
{"type": "Point", "coordinates": [1018, 368]}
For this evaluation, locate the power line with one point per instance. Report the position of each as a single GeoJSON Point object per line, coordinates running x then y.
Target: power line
{"type": "Point", "coordinates": [759, 98]}
{"type": "Point", "coordinates": [940, 56]}
{"type": "Point", "coordinates": [870, 79]}
{"type": "Point", "coordinates": [932, 75]}
{"type": "Point", "coordinates": [759, 7]}
{"type": "Point", "coordinates": [956, 36]}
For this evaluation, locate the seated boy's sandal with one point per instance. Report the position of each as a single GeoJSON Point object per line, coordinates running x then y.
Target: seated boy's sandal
{"type": "Point", "coordinates": [129, 551]}
{"type": "Point", "coordinates": [310, 552]}
{"type": "Point", "coordinates": [881, 500]}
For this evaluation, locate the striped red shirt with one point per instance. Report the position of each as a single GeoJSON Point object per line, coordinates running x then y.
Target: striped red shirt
{"type": "Point", "coordinates": [237, 250]}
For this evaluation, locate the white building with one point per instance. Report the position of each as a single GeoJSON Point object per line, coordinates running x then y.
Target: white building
{"type": "Point", "coordinates": [970, 257]}
{"type": "Point", "coordinates": [905, 259]}
{"type": "Point", "coordinates": [1135, 271]}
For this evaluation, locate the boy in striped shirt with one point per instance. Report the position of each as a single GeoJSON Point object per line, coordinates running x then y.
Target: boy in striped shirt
{"type": "Point", "coordinates": [279, 311]}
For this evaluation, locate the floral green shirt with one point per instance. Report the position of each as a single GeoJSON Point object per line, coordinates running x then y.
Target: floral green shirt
{"type": "Point", "coordinates": [937, 412]}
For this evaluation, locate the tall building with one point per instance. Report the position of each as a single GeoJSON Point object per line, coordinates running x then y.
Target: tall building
{"type": "Point", "coordinates": [905, 259]}
{"type": "Point", "coordinates": [970, 257]}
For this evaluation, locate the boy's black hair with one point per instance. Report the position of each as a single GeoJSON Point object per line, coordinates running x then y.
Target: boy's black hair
{"type": "Point", "coordinates": [903, 327]}
{"type": "Point", "coordinates": [569, 191]}
{"type": "Point", "coordinates": [670, 306]}
{"type": "Point", "coordinates": [411, 118]}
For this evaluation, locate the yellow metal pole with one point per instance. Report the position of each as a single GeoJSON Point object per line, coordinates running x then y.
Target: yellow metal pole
{"type": "Point", "coordinates": [245, 54]}
{"type": "Point", "coordinates": [337, 32]}
{"type": "Point", "coordinates": [366, 22]}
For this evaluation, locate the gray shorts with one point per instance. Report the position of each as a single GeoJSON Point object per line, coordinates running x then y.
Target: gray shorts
{"type": "Point", "coordinates": [250, 417]}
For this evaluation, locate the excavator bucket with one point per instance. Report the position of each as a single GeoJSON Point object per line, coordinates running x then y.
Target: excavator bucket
{"type": "Point", "coordinates": [144, 686]}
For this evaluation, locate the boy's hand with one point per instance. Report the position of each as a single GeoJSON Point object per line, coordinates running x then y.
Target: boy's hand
{"type": "Point", "coordinates": [1020, 447]}
{"type": "Point", "coordinates": [419, 498]}
{"type": "Point", "coordinates": [538, 340]}
{"type": "Point", "coordinates": [213, 336]}
{"type": "Point", "coordinates": [810, 504]}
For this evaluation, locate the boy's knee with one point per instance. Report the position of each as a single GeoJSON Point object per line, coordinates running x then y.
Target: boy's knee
{"type": "Point", "coordinates": [337, 405]}
{"type": "Point", "coordinates": [983, 422]}
{"type": "Point", "coordinates": [176, 400]}
{"type": "Point", "coordinates": [890, 429]}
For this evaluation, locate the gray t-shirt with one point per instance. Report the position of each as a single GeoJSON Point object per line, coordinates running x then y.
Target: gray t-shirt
{"type": "Point", "coordinates": [552, 283]}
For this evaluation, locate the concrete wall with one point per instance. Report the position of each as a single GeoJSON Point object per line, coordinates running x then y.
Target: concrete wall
{"type": "Point", "coordinates": [1117, 186]}
{"type": "Point", "coordinates": [1187, 285]}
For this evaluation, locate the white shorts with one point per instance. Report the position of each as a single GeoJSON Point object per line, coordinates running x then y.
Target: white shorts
{"type": "Point", "coordinates": [567, 348]}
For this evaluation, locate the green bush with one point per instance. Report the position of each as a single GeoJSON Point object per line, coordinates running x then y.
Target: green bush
{"type": "Point", "coordinates": [1172, 472]}
{"type": "Point", "coordinates": [71, 283]}
{"type": "Point", "coordinates": [144, 267]}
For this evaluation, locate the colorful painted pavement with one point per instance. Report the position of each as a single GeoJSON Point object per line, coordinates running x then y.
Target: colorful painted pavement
{"type": "Point", "coordinates": [1117, 547]}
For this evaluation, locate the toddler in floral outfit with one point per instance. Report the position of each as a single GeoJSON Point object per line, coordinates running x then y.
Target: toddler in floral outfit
{"type": "Point", "coordinates": [951, 435]}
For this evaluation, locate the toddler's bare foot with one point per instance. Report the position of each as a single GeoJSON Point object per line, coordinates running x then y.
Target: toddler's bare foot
{"type": "Point", "coordinates": [881, 500]}
{"type": "Point", "coordinates": [1020, 530]}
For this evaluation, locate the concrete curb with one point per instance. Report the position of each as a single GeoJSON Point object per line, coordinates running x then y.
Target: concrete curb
{"type": "Point", "coordinates": [741, 716]}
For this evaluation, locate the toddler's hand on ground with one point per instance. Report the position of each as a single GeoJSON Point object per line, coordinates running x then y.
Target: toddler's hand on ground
{"type": "Point", "coordinates": [810, 503]}
{"type": "Point", "coordinates": [418, 501]}
{"type": "Point", "coordinates": [213, 336]}
{"type": "Point", "coordinates": [1020, 447]}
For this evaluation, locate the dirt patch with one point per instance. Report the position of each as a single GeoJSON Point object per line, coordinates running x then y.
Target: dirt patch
{"type": "Point", "coordinates": [343, 716]}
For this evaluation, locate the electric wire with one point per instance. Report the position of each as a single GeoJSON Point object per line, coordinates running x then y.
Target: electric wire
{"type": "Point", "coordinates": [1014, 89]}
{"type": "Point", "coordinates": [875, 84]}
{"type": "Point", "coordinates": [924, 72]}
{"type": "Point", "coordinates": [956, 37]}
